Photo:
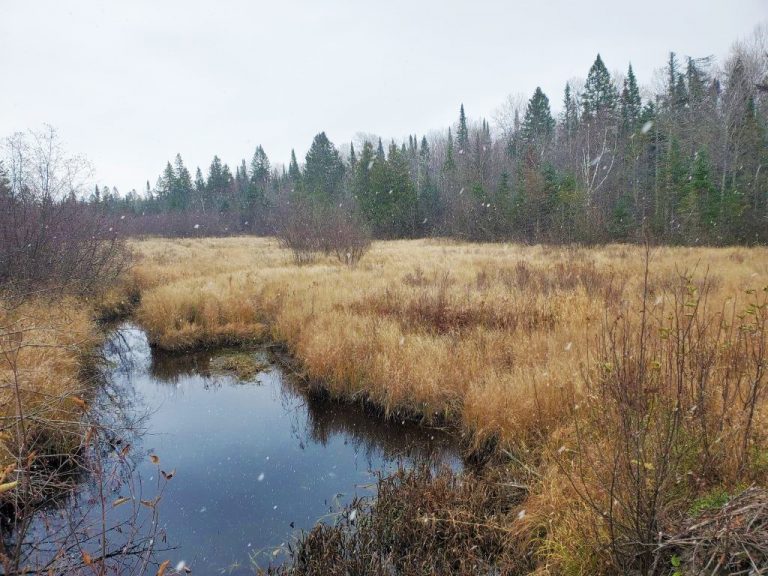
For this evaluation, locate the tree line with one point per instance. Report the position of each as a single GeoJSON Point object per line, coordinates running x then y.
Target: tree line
{"type": "Point", "coordinates": [681, 163]}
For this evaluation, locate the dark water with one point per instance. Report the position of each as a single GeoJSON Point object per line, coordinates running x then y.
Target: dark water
{"type": "Point", "coordinates": [255, 461]}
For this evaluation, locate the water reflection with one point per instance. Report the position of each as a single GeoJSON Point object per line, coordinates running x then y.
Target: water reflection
{"type": "Point", "coordinates": [253, 461]}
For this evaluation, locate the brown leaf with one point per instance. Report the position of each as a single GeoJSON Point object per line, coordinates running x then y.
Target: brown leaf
{"type": "Point", "coordinates": [87, 560]}
{"type": "Point", "coordinates": [80, 402]}
{"type": "Point", "coordinates": [163, 567]}
{"type": "Point", "coordinates": [168, 475]}
{"type": "Point", "coordinates": [155, 458]}
{"type": "Point", "coordinates": [8, 469]}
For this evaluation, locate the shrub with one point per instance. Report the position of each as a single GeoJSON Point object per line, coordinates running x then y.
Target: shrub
{"type": "Point", "coordinates": [422, 522]}
{"type": "Point", "coordinates": [56, 246]}
{"type": "Point", "coordinates": [668, 412]}
{"type": "Point", "coordinates": [308, 229]}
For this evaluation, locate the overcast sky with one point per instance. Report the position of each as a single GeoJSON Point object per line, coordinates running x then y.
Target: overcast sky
{"type": "Point", "coordinates": [130, 84]}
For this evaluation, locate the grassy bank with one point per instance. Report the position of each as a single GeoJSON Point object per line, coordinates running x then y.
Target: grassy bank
{"type": "Point", "coordinates": [435, 327]}
{"type": "Point", "coordinates": [48, 342]}
{"type": "Point", "coordinates": [45, 346]}
{"type": "Point", "coordinates": [623, 396]}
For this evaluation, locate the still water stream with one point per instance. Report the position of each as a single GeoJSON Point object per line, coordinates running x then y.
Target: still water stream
{"type": "Point", "coordinates": [254, 461]}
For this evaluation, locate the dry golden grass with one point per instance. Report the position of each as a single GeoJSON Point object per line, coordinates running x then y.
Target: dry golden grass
{"type": "Point", "coordinates": [622, 403]}
{"type": "Point", "coordinates": [425, 326]}
{"type": "Point", "coordinates": [620, 400]}
{"type": "Point", "coordinates": [42, 348]}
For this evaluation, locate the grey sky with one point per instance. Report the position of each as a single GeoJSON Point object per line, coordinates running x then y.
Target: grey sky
{"type": "Point", "coordinates": [129, 84]}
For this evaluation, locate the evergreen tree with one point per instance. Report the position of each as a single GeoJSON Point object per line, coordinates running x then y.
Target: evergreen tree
{"type": "Point", "coordinates": [218, 184]}
{"type": "Point", "coordinates": [391, 202]}
{"type": "Point", "coordinates": [449, 165]}
{"type": "Point", "coordinates": [631, 104]}
{"type": "Point", "coordinates": [698, 206]}
{"type": "Point", "coordinates": [697, 82]}
{"type": "Point", "coordinates": [361, 185]}
{"type": "Point", "coordinates": [462, 134]}
{"type": "Point", "coordinates": [427, 191]}
{"type": "Point", "coordinates": [599, 94]}
{"type": "Point", "coordinates": [181, 188]}
{"type": "Point", "coordinates": [538, 124]}
{"type": "Point", "coordinates": [570, 113]}
{"type": "Point", "coordinates": [294, 172]}
{"type": "Point", "coordinates": [323, 170]}
{"type": "Point", "coordinates": [215, 181]}
{"type": "Point", "coordinates": [674, 178]}
{"type": "Point", "coordinates": [166, 183]}
{"type": "Point", "coordinates": [260, 167]}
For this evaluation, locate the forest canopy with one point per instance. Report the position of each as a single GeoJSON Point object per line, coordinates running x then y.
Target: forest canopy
{"type": "Point", "coordinates": [683, 163]}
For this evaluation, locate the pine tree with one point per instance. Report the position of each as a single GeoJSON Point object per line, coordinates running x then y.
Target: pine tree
{"type": "Point", "coordinates": [323, 170]}
{"type": "Point", "coordinates": [700, 203]}
{"type": "Point", "coordinates": [631, 104]}
{"type": "Point", "coordinates": [260, 167]}
{"type": "Point", "coordinates": [538, 124]}
{"type": "Point", "coordinates": [215, 181]}
{"type": "Point", "coordinates": [449, 165]}
{"type": "Point", "coordinates": [294, 172]}
{"type": "Point", "coordinates": [181, 190]}
{"type": "Point", "coordinates": [398, 204]}
{"type": "Point", "coordinates": [599, 94]}
{"type": "Point", "coordinates": [218, 184]}
{"type": "Point", "coordinates": [352, 157]}
{"type": "Point", "coordinates": [570, 113]}
{"type": "Point", "coordinates": [424, 150]}
{"type": "Point", "coordinates": [428, 193]}
{"type": "Point", "coordinates": [696, 80]}
{"type": "Point", "coordinates": [462, 134]}
{"type": "Point", "coordinates": [166, 183]}
{"type": "Point", "coordinates": [674, 178]}
{"type": "Point", "coordinates": [361, 183]}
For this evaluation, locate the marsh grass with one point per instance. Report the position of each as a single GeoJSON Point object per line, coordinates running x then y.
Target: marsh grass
{"type": "Point", "coordinates": [45, 350]}
{"type": "Point", "coordinates": [421, 522]}
{"type": "Point", "coordinates": [624, 383]}
{"type": "Point", "coordinates": [242, 365]}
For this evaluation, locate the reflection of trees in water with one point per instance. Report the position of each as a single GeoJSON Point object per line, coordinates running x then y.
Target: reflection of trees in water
{"type": "Point", "coordinates": [79, 516]}
{"type": "Point", "coordinates": [325, 418]}
{"type": "Point", "coordinates": [169, 368]}
{"type": "Point", "coordinates": [71, 522]}
{"type": "Point", "coordinates": [370, 433]}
